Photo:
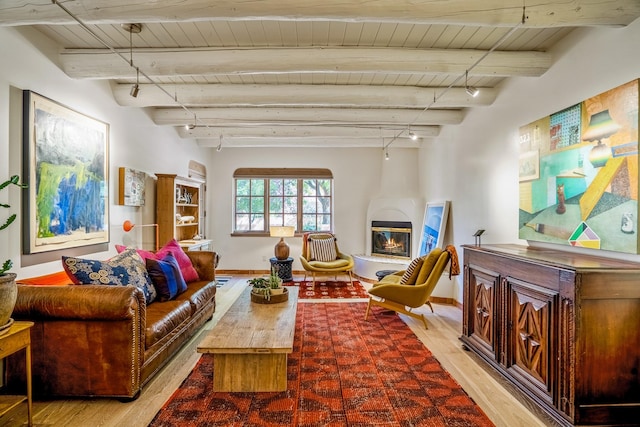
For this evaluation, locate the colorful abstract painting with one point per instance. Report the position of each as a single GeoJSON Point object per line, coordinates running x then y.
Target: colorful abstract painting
{"type": "Point", "coordinates": [67, 163]}
{"type": "Point", "coordinates": [579, 174]}
{"type": "Point", "coordinates": [434, 226]}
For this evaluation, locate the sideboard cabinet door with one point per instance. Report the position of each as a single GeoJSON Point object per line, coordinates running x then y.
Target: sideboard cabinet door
{"type": "Point", "coordinates": [481, 310]}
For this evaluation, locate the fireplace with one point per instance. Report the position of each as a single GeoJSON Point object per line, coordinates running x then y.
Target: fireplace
{"type": "Point", "coordinates": [391, 239]}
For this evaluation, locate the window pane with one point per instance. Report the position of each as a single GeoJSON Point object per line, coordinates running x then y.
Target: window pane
{"type": "Point", "coordinates": [309, 187]}
{"type": "Point", "coordinates": [242, 222]}
{"type": "Point", "coordinates": [290, 204]}
{"type": "Point", "coordinates": [242, 204]}
{"type": "Point", "coordinates": [324, 222]}
{"type": "Point", "coordinates": [242, 187]}
{"type": "Point", "coordinates": [275, 187]}
{"type": "Point", "coordinates": [275, 204]}
{"type": "Point", "coordinates": [324, 205]}
{"type": "Point", "coordinates": [257, 222]}
{"type": "Point", "coordinates": [275, 220]}
{"type": "Point", "coordinates": [291, 220]}
{"type": "Point", "coordinates": [309, 205]}
{"type": "Point", "coordinates": [308, 222]}
{"type": "Point", "coordinates": [257, 205]}
{"type": "Point", "coordinates": [291, 187]}
{"type": "Point", "coordinates": [324, 187]}
{"type": "Point", "coordinates": [257, 187]}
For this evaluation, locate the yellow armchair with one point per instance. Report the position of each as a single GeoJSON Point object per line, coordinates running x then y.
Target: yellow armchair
{"type": "Point", "coordinates": [391, 294]}
{"type": "Point", "coordinates": [320, 254]}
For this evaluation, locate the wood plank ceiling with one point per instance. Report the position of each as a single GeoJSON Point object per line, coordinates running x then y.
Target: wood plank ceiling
{"type": "Point", "coordinates": [329, 73]}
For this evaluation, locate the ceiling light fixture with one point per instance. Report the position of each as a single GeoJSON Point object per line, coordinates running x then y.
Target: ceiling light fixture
{"type": "Point", "coordinates": [219, 147]}
{"type": "Point", "coordinates": [386, 154]}
{"type": "Point", "coordinates": [135, 89]}
{"type": "Point", "coordinates": [191, 126]}
{"type": "Point", "coordinates": [471, 91]}
{"type": "Point", "coordinates": [412, 135]}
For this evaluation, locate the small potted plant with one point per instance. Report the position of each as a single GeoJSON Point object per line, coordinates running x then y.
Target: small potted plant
{"type": "Point", "coordinates": [269, 289]}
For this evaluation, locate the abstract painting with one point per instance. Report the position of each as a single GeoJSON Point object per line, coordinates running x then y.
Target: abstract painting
{"type": "Point", "coordinates": [433, 228]}
{"type": "Point", "coordinates": [583, 191]}
{"type": "Point", "coordinates": [66, 162]}
{"type": "Point", "coordinates": [132, 187]}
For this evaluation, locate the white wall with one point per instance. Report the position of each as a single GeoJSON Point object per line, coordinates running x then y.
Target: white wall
{"type": "Point", "coordinates": [475, 165]}
{"type": "Point", "coordinates": [134, 140]}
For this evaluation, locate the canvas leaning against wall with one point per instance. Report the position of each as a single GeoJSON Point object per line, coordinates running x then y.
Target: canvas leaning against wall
{"type": "Point", "coordinates": [66, 162]}
{"type": "Point", "coordinates": [578, 174]}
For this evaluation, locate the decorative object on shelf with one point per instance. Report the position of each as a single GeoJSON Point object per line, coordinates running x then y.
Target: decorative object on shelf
{"type": "Point", "coordinates": [478, 236]}
{"type": "Point", "coordinates": [186, 219]}
{"type": "Point", "coordinates": [268, 290]}
{"type": "Point", "coordinates": [66, 162]}
{"type": "Point", "coordinates": [8, 289]}
{"type": "Point", "coordinates": [132, 187]}
{"type": "Point", "coordinates": [127, 226]}
{"type": "Point", "coordinates": [281, 249]}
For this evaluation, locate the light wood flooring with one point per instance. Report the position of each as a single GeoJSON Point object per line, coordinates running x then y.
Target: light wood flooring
{"type": "Point", "coordinates": [499, 401]}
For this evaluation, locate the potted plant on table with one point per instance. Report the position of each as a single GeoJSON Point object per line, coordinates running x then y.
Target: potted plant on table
{"type": "Point", "coordinates": [270, 288]}
{"type": "Point", "coordinates": [8, 289]}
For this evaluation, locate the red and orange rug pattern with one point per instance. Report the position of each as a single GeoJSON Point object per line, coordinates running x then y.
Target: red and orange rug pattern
{"type": "Point", "coordinates": [344, 371]}
{"type": "Point", "coordinates": [329, 290]}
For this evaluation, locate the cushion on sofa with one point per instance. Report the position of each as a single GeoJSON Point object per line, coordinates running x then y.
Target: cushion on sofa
{"type": "Point", "coordinates": [189, 273]}
{"type": "Point", "coordinates": [199, 294]}
{"type": "Point", "coordinates": [166, 277]}
{"type": "Point", "coordinates": [163, 318]}
{"type": "Point", "coordinates": [126, 268]}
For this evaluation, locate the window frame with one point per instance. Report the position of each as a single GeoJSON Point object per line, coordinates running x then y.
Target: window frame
{"type": "Point", "coordinates": [269, 174]}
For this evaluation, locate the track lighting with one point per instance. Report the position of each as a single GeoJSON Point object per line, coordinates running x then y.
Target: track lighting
{"type": "Point", "coordinates": [471, 91]}
{"type": "Point", "coordinates": [386, 154]}
{"type": "Point", "coordinates": [219, 147]}
{"type": "Point", "coordinates": [135, 89]}
{"type": "Point", "coordinates": [191, 126]}
{"type": "Point", "coordinates": [412, 135]}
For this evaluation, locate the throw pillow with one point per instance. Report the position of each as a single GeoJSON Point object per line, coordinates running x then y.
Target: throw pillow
{"type": "Point", "coordinates": [411, 273]}
{"type": "Point", "coordinates": [323, 250]}
{"type": "Point", "coordinates": [186, 267]}
{"type": "Point", "coordinates": [166, 277]}
{"type": "Point", "coordinates": [126, 268]}
{"type": "Point", "coordinates": [144, 254]}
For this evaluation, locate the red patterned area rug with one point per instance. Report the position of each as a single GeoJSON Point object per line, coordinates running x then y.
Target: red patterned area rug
{"type": "Point", "coordinates": [344, 371]}
{"type": "Point", "coordinates": [328, 290]}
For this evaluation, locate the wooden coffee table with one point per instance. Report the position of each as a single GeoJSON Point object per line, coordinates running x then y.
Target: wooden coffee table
{"type": "Point", "coordinates": [250, 344]}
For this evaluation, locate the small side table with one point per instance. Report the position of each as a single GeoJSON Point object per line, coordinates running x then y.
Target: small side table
{"type": "Point", "coordinates": [18, 338]}
{"type": "Point", "coordinates": [283, 267]}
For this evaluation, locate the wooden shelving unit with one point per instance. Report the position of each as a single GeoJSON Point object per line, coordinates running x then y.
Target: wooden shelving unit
{"type": "Point", "coordinates": [179, 212]}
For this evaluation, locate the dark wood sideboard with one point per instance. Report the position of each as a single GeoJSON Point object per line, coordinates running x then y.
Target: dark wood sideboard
{"type": "Point", "coordinates": [562, 327]}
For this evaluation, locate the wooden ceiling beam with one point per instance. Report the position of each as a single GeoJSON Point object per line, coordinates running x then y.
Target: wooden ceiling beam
{"type": "Point", "coordinates": [304, 116]}
{"type": "Point", "coordinates": [165, 62]}
{"type": "Point", "coordinates": [539, 13]}
{"type": "Point", "coordinates": [300, 132]}
{"type": "Point", "coordinates": [245, 142]}
{"type": "Point", "coordinates": [332, 96]}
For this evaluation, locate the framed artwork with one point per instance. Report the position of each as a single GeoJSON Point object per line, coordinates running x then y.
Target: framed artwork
{"type": "Point", "coordinates": [584, 192]}
{"type": "Point", "coordinates": [132, 187]}
{"type": "Point", "coordinates": [529, 167]}
{"type": "Point", "coordinates": [66, 160]}
{"type": "Point", "coordinates": [434, 226]}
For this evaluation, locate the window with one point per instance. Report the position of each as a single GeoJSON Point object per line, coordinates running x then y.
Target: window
{"type": "Point", "coordinates": [302, 198]}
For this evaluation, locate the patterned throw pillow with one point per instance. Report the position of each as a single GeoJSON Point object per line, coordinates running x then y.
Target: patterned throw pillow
{"type": "Point", "coordinates": [166, 277]}
{"type": "Point", "coordinates": [411, 273]}
{"type": "Point", "coordinates": [126, 268]}
{"type": "Point", "coordinates": [323, 250]}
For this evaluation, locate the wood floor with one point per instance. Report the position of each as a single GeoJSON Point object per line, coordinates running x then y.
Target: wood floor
{"type": "Point", "coordinates": [499, 401]}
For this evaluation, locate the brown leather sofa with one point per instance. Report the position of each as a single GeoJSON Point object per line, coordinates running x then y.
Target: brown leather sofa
{"type": "Point", "coordinates": [97, 340]}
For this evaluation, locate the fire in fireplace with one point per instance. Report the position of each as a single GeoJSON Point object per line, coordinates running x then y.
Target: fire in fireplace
{"type": "Point", "coordinates": [391, 239]}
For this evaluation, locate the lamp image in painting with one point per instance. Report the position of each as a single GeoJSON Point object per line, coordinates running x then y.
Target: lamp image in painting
{"type": "Point", "coordinates": [583, 191]}
{"type": "Point", "coordinates": [67, 168]}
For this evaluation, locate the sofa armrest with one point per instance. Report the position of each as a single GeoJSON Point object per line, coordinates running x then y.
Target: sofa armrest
{"type": "Point", "coordinates": [205, 263]}
{"type": "Point", "coordinates": [83, 302]}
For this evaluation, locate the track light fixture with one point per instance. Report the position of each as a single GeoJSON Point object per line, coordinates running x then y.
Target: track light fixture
{"type": "Point", "coordinates": [412, 135]}
{"type": "Point", "coordinates": [386, 154]}
{"type": "Point", "coordinates": [219, 147]}
{"type": "Point", "coordinates": [135, 89]}
{"type": "Point", "coordinates": [471, 91]}
{"type": "Point", "coordinates": [191, 126]}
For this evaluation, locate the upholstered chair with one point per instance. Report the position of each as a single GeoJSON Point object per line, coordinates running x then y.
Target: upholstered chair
{"type": "Point", "coordinates": [411, 288]}
{"type": "Point", "coordinates": [321, 255]}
